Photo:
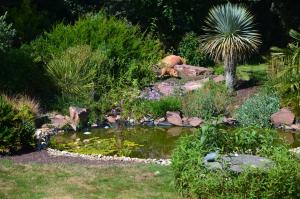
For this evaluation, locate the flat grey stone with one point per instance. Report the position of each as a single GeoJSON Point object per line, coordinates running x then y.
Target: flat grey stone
{"type": "Point", "coordinates": [239, 162]}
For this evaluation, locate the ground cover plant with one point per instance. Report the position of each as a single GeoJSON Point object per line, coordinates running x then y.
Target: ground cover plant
{"type": "Point", "coordinates": [257, 110]}
{"type": "Point", "coordinates": [193, 179]}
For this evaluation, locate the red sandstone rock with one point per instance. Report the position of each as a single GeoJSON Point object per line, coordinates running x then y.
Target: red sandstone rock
{"type": "Point", "coordinates": [192, 71]}
{"type": "Point", "coordinates": [174, 118]}
{"type": "Point", "coordinates": [284, 116]}
{"type": "Point", "coordinates": [195, 121]}
{"type": "Point", "coordinates": [194, 85]}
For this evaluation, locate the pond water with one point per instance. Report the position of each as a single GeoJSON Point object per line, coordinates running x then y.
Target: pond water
{"type": "Point", "coordinates": [141, 142]}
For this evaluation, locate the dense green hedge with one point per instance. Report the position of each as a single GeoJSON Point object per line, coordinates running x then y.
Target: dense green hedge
{"type": "Point", "coordinates": [193, 179]}
{"type": "Point", "coordinates": [122, 54]}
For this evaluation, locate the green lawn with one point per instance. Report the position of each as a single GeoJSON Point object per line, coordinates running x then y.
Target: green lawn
{"type": "Point", "coordinates": [248, 72]}
{"type": "Point", "coordinates": [80, 181]}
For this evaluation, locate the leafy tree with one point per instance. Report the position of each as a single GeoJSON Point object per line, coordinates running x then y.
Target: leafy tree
{"type": "Point", "coordinates": [230, 36]}
{"type": "Point", "coordinates": [7, 33]}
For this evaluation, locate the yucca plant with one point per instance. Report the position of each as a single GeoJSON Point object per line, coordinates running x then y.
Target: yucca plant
{"type": "Point", "coordinates": [230, 36]}
{"type": "Point", "coordinates": [285, 68]}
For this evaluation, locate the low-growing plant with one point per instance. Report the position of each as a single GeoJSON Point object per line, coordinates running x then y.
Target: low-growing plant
{"type": "Point", "coordinates": [189, 49]}
{"type": "Point", "coordinates": [257, 110]}
{"type": "Point", "coordinates": [195, 180]}
{"type": "Point", "coordinates": [208, 102]}
{"type": "Point", "coordinates": [16, 124]}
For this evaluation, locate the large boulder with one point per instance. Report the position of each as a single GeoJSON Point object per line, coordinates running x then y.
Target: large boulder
{"type": "Point", "coordinates": [192, 71]}
{"type": "Point", "coordinates": [174, 118]}
{"type": "Point", "coordinates": [284, 116]}
{"type": "Point", "coordinates": [78, 116]}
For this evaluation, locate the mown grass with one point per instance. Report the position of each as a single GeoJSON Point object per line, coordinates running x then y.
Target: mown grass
{"type": "Point", "coordinates": [257, 72]}
{"type": "Point", "coordinates": [80, 181]}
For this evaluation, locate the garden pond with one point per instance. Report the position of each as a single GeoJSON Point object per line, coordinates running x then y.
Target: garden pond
{"type": "Point", "coordinates": [140, 142]}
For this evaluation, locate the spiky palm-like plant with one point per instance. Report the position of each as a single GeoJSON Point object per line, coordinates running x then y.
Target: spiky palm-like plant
{"type": "Point", "coordinates": [230, 36]}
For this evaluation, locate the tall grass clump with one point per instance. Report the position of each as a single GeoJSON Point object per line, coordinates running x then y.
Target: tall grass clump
{"type": "Point", "coordinates": [194, 180]}
{"type": "Point", "coordinates": [122, 53]}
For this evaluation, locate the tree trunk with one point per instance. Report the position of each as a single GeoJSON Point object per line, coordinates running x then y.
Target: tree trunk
{"type": "Point", "coordinates": [230, 72]}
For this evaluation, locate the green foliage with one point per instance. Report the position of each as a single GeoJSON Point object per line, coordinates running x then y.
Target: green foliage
{"type": "Point", "coordinates": [16, 125]}
{"type": "Point", "coordinates": [74, 73]}
{"type": "Point", "coordinates": [230, 36]}
{"type": "Point", "coordinates": [193, 179]}
{"type": "Point", "coordinates": [19, 74]}
{"type": "Point", "coordinates": [158, 108]}
{"type": "Point", "coordinates": [285, 70]}
{"type": "Point", "coordinates": [122, 53]}
{"type": "Point", "coordinates": [7, 33]}
{"type": "Point", "coordinates": [208, 102]}
{"type": "Point", "coordinates": [257, 110]}
{"type": "Point", "coordinates": [189, 49]}
{"type": "Point", "coordinates": [230, 32]}
{"type": "Point", "coordinates": [138, 108]}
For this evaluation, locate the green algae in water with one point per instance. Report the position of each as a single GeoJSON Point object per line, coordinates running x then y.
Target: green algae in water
{"type": "Point", "coordinates": [96, 145]}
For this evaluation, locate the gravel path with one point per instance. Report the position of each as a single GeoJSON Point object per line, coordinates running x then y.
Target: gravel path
{"type": "Point", "coordinates": [44, 158]}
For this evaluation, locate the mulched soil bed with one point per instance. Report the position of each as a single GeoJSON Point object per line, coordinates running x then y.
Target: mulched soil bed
{"type": "Point", "coordinates": [44, 158]}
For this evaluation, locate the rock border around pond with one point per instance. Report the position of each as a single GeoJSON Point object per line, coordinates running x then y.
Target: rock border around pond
{"type": "Point", "coordinates": [54, 152]}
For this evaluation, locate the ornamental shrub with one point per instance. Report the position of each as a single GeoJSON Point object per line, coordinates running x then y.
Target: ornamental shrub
{"type": "Point", "coordinates": [16, 124]}
{"type": "Point", "coordinates": [208, 102]}
{"type": "Point", "coordinates": [257, 110]}
{"type": "Point", "coordinates": [194, 180]}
